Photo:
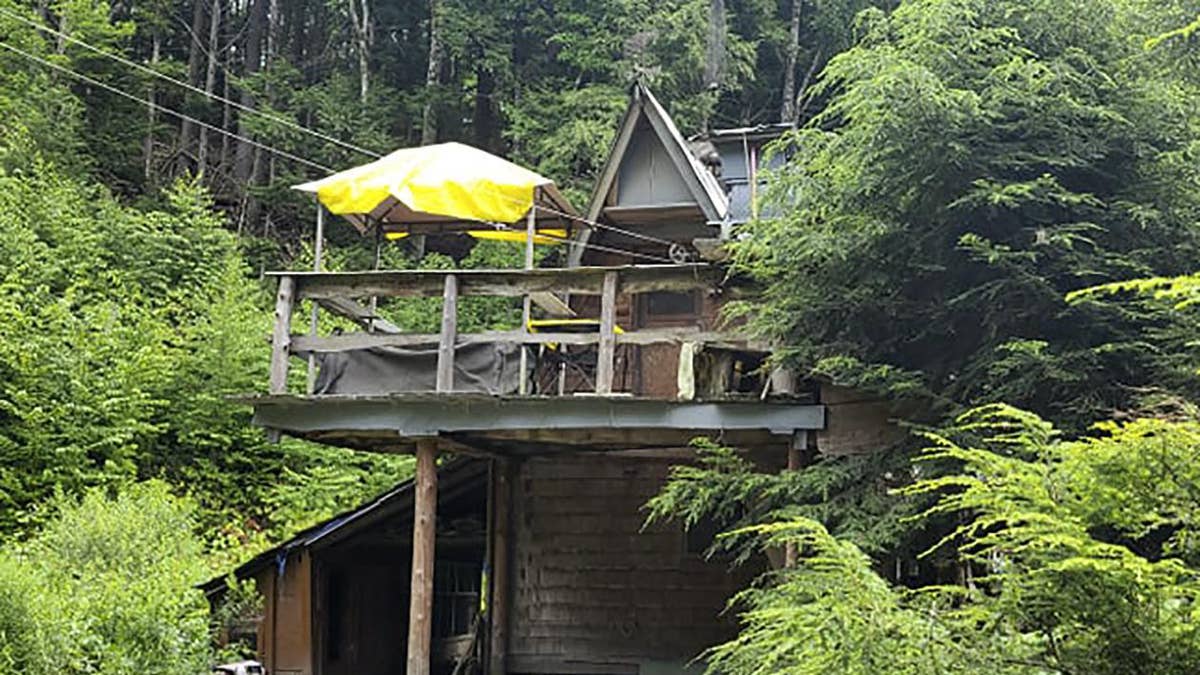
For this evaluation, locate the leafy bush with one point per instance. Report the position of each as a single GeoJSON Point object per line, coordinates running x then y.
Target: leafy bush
{"type": "Point", "coordinates": [1074, 556]}
{"type": "Point", "coordinates": [107, 587]}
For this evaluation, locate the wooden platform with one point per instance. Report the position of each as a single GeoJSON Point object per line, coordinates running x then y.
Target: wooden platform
{"type": "Point", "coordinates": [530, 425]}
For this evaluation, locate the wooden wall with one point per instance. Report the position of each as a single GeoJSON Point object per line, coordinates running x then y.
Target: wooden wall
{"type": "Point", "coordinates": [285, 634]}
{"type": "Point", "coordinates": [591, 592]}
{"type": "Point", "coordinates": [362, 611]}
{"type": "Point", "coordinates": [856, 422]}
{"type": "Point", "coordinates": [647, 370]}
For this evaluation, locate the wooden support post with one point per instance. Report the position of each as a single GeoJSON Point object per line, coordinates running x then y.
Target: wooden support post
{"type": "Point", "coordinates": [501, 565]}
{"type": "Point", "coordinates": [318, 253]}
{"type": "Point", "coordinates": [420, 609]}
{"type": "Point", "coordinates": [526, 304]}
{"type": "Point", "coordinates": [449, 335]}
{"type": "Point", "coordinates": [796, 456]}
{"type": "Point", "coordinates": [608, 338]}
{"type": "Point", "coordinates": [281, 337]}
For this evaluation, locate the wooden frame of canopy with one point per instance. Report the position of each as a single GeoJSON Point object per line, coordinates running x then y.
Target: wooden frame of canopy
{"type": "Point", "coordinates": [447, 188]}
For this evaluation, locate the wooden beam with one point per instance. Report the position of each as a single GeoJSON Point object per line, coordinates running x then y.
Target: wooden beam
{"type": "Point", "coordinates": [374, 304]}
{"type": "Point", "coordinates": [449, 335]}
{"type": "Point", "coordinates": [350, 309]}
{"type": "Point", "coordinates": [502, 491]}
{"type": "Point", "coordinates": [552, 304]}
{"type": "Point", "coordinates": [352, 341]}
{"type": "Point", "coordinates": [608, 344]}
{"type": "Point", "coordinates": [281, 337]}
{"type": "Point", "coordinates": [526, 302]}
{"type": "Point", "coordinates": [318, 252]}
{"type": "Point", "coordinates": [504, 283]}
{"type": "Point", "coordinates": [420, 609]}
{"type": "Point", "coordinates": [797, 449]}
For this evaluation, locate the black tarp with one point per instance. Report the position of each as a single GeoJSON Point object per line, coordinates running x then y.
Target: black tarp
{"type": "Point", "coordinates": [490, 368]}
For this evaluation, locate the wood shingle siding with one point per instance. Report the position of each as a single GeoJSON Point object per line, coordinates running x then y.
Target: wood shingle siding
{"type": "Point", "coordinates": [591, 587]}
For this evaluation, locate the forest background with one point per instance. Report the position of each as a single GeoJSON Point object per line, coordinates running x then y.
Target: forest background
{"type": "Point", "coordinates": [961, 168]}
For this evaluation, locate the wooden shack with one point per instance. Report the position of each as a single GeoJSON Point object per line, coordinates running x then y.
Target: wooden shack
{"type": "Point", "coordinates": [525, 551]}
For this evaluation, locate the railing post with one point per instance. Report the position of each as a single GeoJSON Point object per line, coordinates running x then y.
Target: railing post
{"type": "Point", "coordinates": [526, 308]}
{"type": "Point", "coordinates": [318, 253]}
{"type": "Point", "coordinates": [281, 337]}
{"type": "Point", "coordinates": [449, 335]}
{"type": "Point", "coordinates": [608, 337]}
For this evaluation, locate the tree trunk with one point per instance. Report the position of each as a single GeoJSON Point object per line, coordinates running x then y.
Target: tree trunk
{"type": "Point", "coordinates": [151, 110]}
{"type": "Point", "coordinates": [187, 133]}
{"type": "Point", "coordinates": [226, 123]}
{"type": "Point", "coordinates": [802, 98]}
{"type": "Point", "coordinates": [787, 111]}
{"type": "Point", "coordinates": [360, 19]}
{"type": "Point", "coordinates": [429, 126]}
{"type": "Point", "coordinates": [714, 61]}
{"type": "Point", "coordinates": [255, 29]}
{"type": "Point", "coordinates": [210, 78]}
{"type": "Point", "coordinates": [246, 165]}
{"type": "Point", "coordinates": [484, 116]}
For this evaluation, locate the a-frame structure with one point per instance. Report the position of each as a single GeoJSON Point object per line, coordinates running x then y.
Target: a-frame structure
{"type": "Point", "coordinates": [653, 181]}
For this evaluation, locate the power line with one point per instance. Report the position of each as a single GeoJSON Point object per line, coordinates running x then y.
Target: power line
{"type": "Point", "coordinates": [629, 233]}
{"type": "Point", "coordinates": [598, 247]}
{"type": "Point", "coordinates": [263, 146]}
{"type": "Point", "coordinates": [190, 87]}
{"type": "Point", "coordinates": [287, 155]}
{"type": "Point", "coordinates": [592, 223]}
{"type": "Point", "coordinates": [90, 80]}
{"type": "Point", "coordinates": [287, 122]}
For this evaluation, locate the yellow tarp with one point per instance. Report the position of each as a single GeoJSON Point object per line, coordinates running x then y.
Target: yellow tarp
{"type": "Point", "coordinates": [541, 237]}
{"type": "Point", "coordinates": [450, 180]}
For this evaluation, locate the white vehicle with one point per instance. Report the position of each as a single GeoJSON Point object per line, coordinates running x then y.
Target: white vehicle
{"type": "Point", "coordinates": [240, 668]}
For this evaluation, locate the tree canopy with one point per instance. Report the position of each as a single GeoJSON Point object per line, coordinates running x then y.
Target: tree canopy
{"type": "Point", "coordinates": [996, 207]}
{"type": "Point", "coordinates": [987, 213]}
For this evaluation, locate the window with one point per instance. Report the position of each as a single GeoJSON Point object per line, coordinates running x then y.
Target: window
{"type": "Point", "coordinates": [455, 597]}
{"type": "Point", "coordinates": [668, 305]}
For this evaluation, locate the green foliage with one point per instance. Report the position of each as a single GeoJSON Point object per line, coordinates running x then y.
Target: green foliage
{"type": "Point", "coordinates": [1183, 33]}
{"type": "Point", "coordinates": [123, 333]}
{"type": "Point", "coordinates": [1086, 543]}
{"type": "Point", "coordinates": [107, 587]}
{"type": "Point", "coordinates": [1076, 556]}
{"type": "Point", "coordinates": [978, 161]}
{"type": "Point", "coordinates": [331, 485]}
{"type": "Point", "coordinates": [832, 613]}
{"type": "Point", "coordinates": [849, 494]}
{"type": "Point", "coordinates": [238, 613]}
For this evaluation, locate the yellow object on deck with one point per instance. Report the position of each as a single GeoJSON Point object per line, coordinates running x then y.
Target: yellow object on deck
{"type": "Point", "coordinates": [542, 237]}
{"type": "Point", "coordinates": [432, 183]}
{"type": "Point", "coordinates": [567, 326]}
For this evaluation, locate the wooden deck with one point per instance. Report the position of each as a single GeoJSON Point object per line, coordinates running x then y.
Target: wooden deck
{"type": "Point", "coordinates": [530, 425]}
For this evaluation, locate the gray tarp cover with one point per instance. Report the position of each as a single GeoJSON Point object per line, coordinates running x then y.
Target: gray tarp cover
{"type": "Point", "coordinates": [491, 368]}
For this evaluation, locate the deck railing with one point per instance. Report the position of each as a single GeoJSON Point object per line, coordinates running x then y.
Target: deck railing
{"type": "Point", "coordinates": [339, 293]}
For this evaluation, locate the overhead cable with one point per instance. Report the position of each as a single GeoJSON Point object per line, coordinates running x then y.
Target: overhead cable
{"type": "Point", "coordinates": [288, 122]}
{"type": "Point", "coordinates": [107, 87]}
{"type": "Point", "coordinates": [279, 119]}
{"type": "Point", "coordinates": [301, 160]}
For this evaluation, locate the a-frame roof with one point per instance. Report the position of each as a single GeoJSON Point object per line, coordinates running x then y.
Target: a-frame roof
{"type": "Point", "coordinates": [701, 184]}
